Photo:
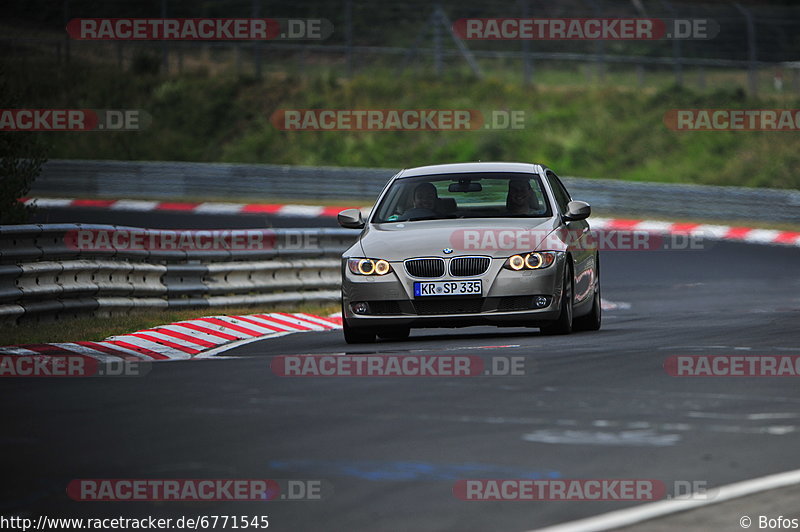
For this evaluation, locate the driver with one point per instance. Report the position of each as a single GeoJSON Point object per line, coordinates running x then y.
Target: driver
{"type": "Point", "coordinates": [425, 197]}
{"type": "Point", "coordinates": [521, 199]}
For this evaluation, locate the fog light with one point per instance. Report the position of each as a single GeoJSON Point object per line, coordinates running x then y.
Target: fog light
{"type": "Point", "coordinates": [540, 301]}
{"type": "Point", "coordinates": [360, 308]}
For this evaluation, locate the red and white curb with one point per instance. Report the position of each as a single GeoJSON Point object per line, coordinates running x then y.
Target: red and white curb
{"type": "Point", "coordinates": [197, 338]}
{"type": "Point", "coordinates": [275, 209]}
{"type": "Point", "coordinates": [716, 232]}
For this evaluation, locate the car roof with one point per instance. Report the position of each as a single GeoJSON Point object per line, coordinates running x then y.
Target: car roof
{"type": "Point", "coordinates": [460, 168]}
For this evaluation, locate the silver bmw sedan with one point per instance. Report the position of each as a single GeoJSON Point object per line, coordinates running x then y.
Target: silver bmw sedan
{"type": "Point", "coordinates": [457, 245]}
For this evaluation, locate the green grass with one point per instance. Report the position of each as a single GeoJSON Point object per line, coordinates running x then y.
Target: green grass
{"type": "Point", "coordinates": [576, 127]}
{"type": "Point", "coordinates": [96, 328]}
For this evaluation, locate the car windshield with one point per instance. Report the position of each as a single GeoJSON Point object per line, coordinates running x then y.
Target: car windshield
{"type": "Point", "coordinates": [468, 195]}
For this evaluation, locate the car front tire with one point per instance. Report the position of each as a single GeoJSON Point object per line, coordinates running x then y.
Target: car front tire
{"type": "Point", "coordinates": [357, 335]}
{"type": "Point", "coordinates": [563, 325]}
{"type": "Point", "coordinates": [394, 333]}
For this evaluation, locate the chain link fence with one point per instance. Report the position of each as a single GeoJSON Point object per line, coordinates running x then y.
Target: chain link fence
{"type": "Point", "coordinates": [757, 47]}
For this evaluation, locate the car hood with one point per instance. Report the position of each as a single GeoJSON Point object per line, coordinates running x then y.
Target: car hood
{"type": "Point", "coordinates": [429, 238]}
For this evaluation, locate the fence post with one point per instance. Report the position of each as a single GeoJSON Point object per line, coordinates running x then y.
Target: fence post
{"type": "Point", "coordinates": [527, 62]}
{"type": "Point", "coordinates": [66, 37]}
{"type": "Point", "coordinates": [164, 44]}
{"type": "Point", "coordinates": [256, 13]}
{"type": "Point", "coordinates": [600, 45]}
{"type": "Point", "coordinates": [437, 44]}
{"type": "Point", "coordinates": [238, 52]}
{"type": "Point", "coordinates": [752, 74]}
{"type": "Point", "coordinates": [677, 58]}
{"type": "Point", "coordinates": [348, 36]}
{"type": "Point", "coordinates": [465, 53]}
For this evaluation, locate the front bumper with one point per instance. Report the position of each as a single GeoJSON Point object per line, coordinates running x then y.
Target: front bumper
{"type": "Point", "coordinates": [507, 298]}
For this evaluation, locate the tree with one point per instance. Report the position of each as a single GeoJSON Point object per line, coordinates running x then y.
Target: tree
{"type": "Point", "coordinates": [21, 159]}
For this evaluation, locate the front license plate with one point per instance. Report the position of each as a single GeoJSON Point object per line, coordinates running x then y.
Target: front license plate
{"type": "Point", "coordinates": [448, 288]}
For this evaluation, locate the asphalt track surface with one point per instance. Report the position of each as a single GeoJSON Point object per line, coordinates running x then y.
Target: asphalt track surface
{"type": "Point", "coordinates": [591, 405]}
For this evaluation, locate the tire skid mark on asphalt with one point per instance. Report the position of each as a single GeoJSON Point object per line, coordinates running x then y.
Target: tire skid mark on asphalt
{"type": "Point", "coordinates": [407, 470]}
{"type": "Point", "coordinates": [579, 432]}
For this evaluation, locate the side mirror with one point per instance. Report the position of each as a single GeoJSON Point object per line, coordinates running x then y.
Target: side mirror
{"type": "Point", "coordinates": [350, 219]}
{"type": "Point", "coordinates": [577, 210]}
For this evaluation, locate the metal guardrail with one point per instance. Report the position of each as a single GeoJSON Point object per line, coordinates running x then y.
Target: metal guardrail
{"type": "Point", "coordinates": [177, 180]}
{"type": "Point", "coordinates": [42, 272]}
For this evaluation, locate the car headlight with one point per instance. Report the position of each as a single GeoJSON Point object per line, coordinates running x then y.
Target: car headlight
{"type": "Point", "coordinates": [530, 261]}
{"type": "Point", "coordinates": [369, 266]}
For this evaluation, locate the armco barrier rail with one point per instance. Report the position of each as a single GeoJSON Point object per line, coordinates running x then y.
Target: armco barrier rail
{"type": "Point", "coordinates": [44, 273]}
{"type": "Point", "coordinates": [178, 181]}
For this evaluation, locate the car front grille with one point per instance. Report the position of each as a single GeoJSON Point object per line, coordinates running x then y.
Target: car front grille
{"type": "Point", "coordinates": [515, 303]}
{"type": "Point", "coordinates": [384, 307]}
{"type": "Point", "coordinates": [469, 266]}
{"type": "Point", "coordinates": [425, 267]}
{"type": "Point", "coordinates": [449, 306]}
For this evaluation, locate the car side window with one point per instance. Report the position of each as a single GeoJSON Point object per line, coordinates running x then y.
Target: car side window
{"type": "Point", "coordinates": [560, 193]}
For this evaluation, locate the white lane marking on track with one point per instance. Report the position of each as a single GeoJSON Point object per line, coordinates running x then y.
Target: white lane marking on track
{"type": "Point", "coordinates": [648, 511]}
{"type": "Point", "coordinates": [753, 417]}
{"type": "Point", "coordinates": [632, 438]}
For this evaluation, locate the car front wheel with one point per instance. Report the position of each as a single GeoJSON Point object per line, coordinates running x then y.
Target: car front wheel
{"type": "Point", "coordinates": [563, 325]}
